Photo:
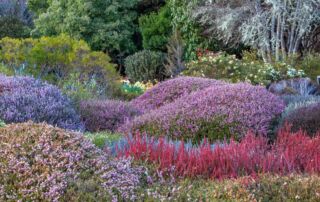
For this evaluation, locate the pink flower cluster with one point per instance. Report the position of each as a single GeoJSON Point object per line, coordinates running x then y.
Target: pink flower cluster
{"type": "Point", "coordinates": [290, 153]}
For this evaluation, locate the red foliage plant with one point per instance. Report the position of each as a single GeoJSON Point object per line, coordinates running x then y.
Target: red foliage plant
{"type": "Point", "coordinates": [290, 153]}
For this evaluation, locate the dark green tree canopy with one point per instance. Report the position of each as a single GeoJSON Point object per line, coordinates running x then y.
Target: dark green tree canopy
{"type": "Point", "coordinates": [106, 25]}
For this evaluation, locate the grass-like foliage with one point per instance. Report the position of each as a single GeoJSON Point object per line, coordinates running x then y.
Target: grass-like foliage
{"type": "Point", "coordinates": [290, 153]}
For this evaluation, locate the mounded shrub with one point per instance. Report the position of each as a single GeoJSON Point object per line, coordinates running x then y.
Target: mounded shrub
{"type": "Point", "coordinates": [106, 115]}
{"type": "Point", "coordinates": [39, 162]}
{"type": "Point", "coordinates": [306, 118]}
{"type": "Point", "coordinates": [170, 90]}
{"type": "Point", "coordinates": [145, 66]}
{"type": "Point", "coordinates": [25, 98]}
{"type": "Point", "coordinates": [215, 112]}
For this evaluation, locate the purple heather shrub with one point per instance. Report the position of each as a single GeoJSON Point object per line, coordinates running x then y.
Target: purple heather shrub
{"type": "Point", "coordinates": [25, 98]}
{"type": "Point", "coordinates": [39, 162]}
{"type": "Point", "coordinates": [170, 90]}
{"type": "Point", "coordinates": [100, 115]}
{"type": "Point", "coordinates": [215, 112]}
{"type": "Point", "coordinates": [305, 118]}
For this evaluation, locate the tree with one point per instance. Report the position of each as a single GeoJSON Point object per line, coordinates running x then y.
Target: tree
{"type": "Point", "coordinates": [107, 25]}
{"type": "Point", "coordinates": [277, 28]}
{"type": "Point", "coordinates": [15, 19]}
{"type": "Point", "coordinates": [156, 29]}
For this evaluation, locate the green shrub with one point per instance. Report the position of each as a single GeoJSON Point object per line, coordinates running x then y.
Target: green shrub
{"type": "Point", "coordinates": [145, 65]}
{"type": "Point", "coordinates": [156, 29]}
{"type": "Point", "coordinates": [311, 65]}
{"type": "Point", "coordinates": [249, 69]}
{"type": "Point", "coordinates": [55, 58]}
{"type": "Point", "coordinates": [102, 138]}
{"type": "Point", "coordinates": [2, 123]}
{"type": "Point", "coordinates": [5, 70]}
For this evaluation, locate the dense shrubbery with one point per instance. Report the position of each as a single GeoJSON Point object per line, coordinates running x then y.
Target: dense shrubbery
{"type": "Point", "coordinates": [290, 153]}
{"type": "Point", "coordinates": [250, 68]}
{"type": "Point", "coordinates": [170, 90]}
{"type": "Point", "coordinates": [215, 112]}
{"type": "Point", "coordinates": [106, 115]}
{"type": "Point", "coordinates": [24, 98]}
{"type": "Point", "coordinates": [55, 58]}
{"type": "Point", "coordinates": [305, 117]}
{"type": "Point", "coordinates": [145, 66]}
{"type": "Point", "coordinates": [43, 163]}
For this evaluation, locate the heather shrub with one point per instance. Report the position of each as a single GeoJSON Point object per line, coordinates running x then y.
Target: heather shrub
{"type": "Point", "coordinates": [42, 163]}
{"type": "Point", "coordinates": [99, 115]}
{"type": "Point", "coordinates": [306, 118]}
{"type": "Point", "coordinates": [145, 66]}
{"type": "Point", "coordinates": [295, 102]}
{"type": "Point", "coordinates": [24, 98]}
{"type": "Point", "coordinates": [215, 112]}
{"type": "Point", "coordinates": [170, 90]}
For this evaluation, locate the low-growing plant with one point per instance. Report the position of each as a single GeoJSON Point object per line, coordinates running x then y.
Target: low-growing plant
{"type": "Point", "coordinates": [2, 123]}
{"type": "Point", "coordinates": [304, 118]}
{"type": "Point", "coordinates": [212, 112]}
{"type": "Point", "coordinates": [170, 90]}
{"type": "Point", "coordinates": [43, 163]}
{"type": "Point", "coordinates": [262, 188]}
{"type": "Point", "coordinates": [103, 138]}
{"type": "Point", "coordinates": [291, 153]}
{"type": "Point", "coordinates": [145, 66]}
{"type": "Point", "coordinates": [100, 115]}
{"type": "Point", "coordinates": [25, 98]}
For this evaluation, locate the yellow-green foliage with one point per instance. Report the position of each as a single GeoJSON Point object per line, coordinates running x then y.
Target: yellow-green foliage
{"type": "Point", "coordinates": [53, 58]}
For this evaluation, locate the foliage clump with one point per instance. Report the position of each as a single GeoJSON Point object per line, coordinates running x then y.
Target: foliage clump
{"type": "Point", "coordinates": [42, 163]}
{"type": "Point", "coordinates": [145, 66]}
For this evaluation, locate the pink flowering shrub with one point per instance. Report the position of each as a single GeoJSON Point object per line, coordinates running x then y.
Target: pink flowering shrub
{"type": "Point", "coordinates": [41, 163]}
{"type": "Point", "coordinates": [290, 153]}
{"type": "Point", "coordinates": [25, 98]}
{"type": "Point", "coordinates": [216, 112]}
{"type": "Point", "coordinates": [170, 90]}
{"type": "Point", "coordinates": [99, 115]}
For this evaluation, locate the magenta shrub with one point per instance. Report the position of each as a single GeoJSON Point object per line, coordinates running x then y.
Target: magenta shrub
{"type": "Point", "coordinates": [221, 109]}
{"type": "Point", "coordinates": [106, 114]}
{"type": "Point", "coordinates": [170, 90]}
{"type": "Point", "coordinates": [24, 98]}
